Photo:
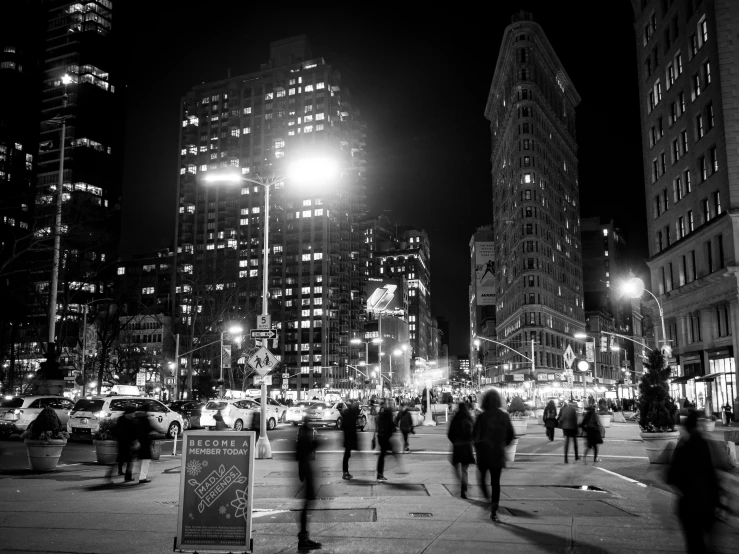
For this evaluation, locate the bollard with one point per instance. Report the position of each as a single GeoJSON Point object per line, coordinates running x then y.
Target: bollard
{"type": "Point", "coordinates": [174, 441]}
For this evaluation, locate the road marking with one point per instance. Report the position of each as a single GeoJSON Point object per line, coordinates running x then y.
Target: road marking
{"type": "Point", "coordinates": [448, 453]}
{"type": "Point", "coordinates": [622, 477]}
{"type": "Point", "coordinates": [600, 456]}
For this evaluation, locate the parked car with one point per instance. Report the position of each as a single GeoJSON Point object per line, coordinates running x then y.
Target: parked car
{"type": "Point", "coordinates": [88, 413]}
{"type": "Point", "coordinates": [18, 412]}
{"type": "Point", "coordinates": [274, 409]}
{"type": "Point", "coordinates": [237, 414]}
{"type": "Point", "coordinates": [190, 412]}
{"type": "Point", "coordinates": [295, 414]}
{"type": "Point", "coordinates": [323, 413]}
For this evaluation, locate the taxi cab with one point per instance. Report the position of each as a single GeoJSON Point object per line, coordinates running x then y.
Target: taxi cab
{"type": "Point", "coordinates": [324, 413]}
{"type": "Point", "coordinates": [88, 413]}
{"type": "Point", "coordinates": [17, 412]}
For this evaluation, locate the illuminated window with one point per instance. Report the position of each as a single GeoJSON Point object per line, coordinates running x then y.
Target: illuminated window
{"type": "Point", "coordinates": [121, 271]}
{"type": "Point", "coordinates": [320, 85]}
{"type": "Point", "coordinates": [306, 213]}
{"type": "Point", "coordinates": [320, 116]}
{"type": "Point", "coordinates": [290, 92]}
{"type": "Point", "coordinates": [308, 129]}
{"type": "Point", "coordinates": [247, 130]}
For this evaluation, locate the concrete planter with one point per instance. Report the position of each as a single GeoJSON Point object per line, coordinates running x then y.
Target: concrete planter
{"type": "Point", "coordinates": [106, 451]}
{"type": "Point", "coordinates": [706, 425]}
{"type": "Point", "coordinates": [156, 449]}
{"type": "Point", "coordinates": [510, 451]}
{"type": "Point", "coordinates": [605, 420]}
{"type": "Point", "coordinates": [539, 414]}
{"type": "Point", "coordinates": [44, 455]}
{"type": "Point", "coordinates": [660, 446]}
{"type": "Point", "coordinates": [519, 426]}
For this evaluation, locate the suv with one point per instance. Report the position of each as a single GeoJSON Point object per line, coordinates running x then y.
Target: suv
{"type": "Point", "coordinates": [17, 412]}
{"type": "Point", "coordinates": [237, 414]}
{"type": "Point", "coordinates": [87, 414]}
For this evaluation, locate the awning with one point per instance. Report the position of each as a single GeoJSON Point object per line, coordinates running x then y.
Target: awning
{"type": "Point", "coordinates": [680, 380]}
{"type": "Point", "coordinates": [706, 378]}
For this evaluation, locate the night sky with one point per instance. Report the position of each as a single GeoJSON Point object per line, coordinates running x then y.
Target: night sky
{"type": "Point", "coordinates": [420, 80]}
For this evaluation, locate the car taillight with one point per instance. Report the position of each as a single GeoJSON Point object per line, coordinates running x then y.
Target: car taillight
{"type": "Point", "coordinates": [17, 412]}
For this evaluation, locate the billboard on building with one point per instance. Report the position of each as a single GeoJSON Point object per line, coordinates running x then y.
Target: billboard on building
{"type": "Point", "coordinates": [485, 273]}
{"type": "Point", "coordinates": [384, 296]}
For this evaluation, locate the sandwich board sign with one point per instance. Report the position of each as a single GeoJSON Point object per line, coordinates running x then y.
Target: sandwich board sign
{"type": "Point", "coordinates": [216, 491]}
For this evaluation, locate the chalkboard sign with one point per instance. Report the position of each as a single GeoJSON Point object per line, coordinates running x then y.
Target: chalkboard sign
{"type": "Point", "coordinates": [216, 487]}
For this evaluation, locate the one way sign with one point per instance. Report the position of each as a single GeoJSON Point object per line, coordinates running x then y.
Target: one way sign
{"type": "Point", "coordinates": [263, 333]}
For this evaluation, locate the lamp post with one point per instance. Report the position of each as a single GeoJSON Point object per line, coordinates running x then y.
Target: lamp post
{"type": "Point", "coordinates": [56, 257]}
{"type": "Point", "coordinates": [634, 288]}
{"type": "Point", "coordinates": [306, 170]}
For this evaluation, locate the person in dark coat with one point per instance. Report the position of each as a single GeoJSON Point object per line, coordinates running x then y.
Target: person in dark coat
{"type": "Point", "coordinates": [349, 426]}
{"type": "Point", "coordinates": [692, 473]}
{"type": "Point", "coordinates": [404, 421]}
{"type": "Point", "coordinates": [460, 435]}
{"type": "Point", "coordinates": [492, 433]}
{"type": "Point", "coordinates": [550, 419]}
{"type": "Point", "coordinates": [567, 421]}
{"type": "Point", "coordinates": [256, 423]}
{"type": "Point", "coordinates": [143, 439]}
{"type": "Point", "coordinates": [306, 446]}
{"type": "Point", "coordinates": [220, 424]}
{"type": "Point", "coordinates": [591, 426]}
{"type": "Point", "coordinates": [385, 427]}
{"type": "Point", "coordinates": [125, 434]}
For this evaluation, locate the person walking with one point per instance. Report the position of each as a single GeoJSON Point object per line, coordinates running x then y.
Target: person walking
{"type": "Point", "coordinates": [384, 429]}
{"type": "Point", "coordinates": [125, 433]}
{"type": "Point", "coordinates": [550, 419]}
{"type": "Point", "coordinates": [593, 437]}
{"type": "Point", "coordinates": [220, 424]}
{"type": "Point", "coordinates": [692, 473]}
{"type": "Point", "coordinates": [404, 422]}
{"type": "Point", "coordinates": [460, 435]}
{"type": "Point", "coordinates": [306, 446]}
{"type": "Point", "coordinates": [143, 442]}
{"type": "Point", "coordinates": [567, 421]}
{"type": "Point", "coordinates": [349, 426]}
{"type": "Point", "coordinates": [491, 433]}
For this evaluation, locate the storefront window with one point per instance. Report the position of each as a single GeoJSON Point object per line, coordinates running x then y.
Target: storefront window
{"type": "Point", "coordinates": [723, 387]}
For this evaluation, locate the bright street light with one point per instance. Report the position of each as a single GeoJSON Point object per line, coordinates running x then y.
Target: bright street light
{"type": "Point", "coordinates": [235, 330]}
{"type": "Point", "coordinates": [66, 79]}
{"type": "Point", "coordinates": [582, 365]}
{"type": "Point", "coordinates": [634, 288]}
{"type": "Point", "coordinates": [312, 170]}
{"type": "Point", "coordinates": [476, 342]}
{"type": "Point", "coordinates": [581, 335]}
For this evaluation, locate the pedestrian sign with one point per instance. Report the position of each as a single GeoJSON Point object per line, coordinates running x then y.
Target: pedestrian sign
{"type": "Point", "coordinates": [262, 361]}
{"type": "Point", "coordinates": [569, 356]}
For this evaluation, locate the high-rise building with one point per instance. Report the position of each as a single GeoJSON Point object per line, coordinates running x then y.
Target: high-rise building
{"type": "Point", "coordinates": [81, 114]}
{"type": "Point", "coordinates": [688, 61]}
{"type": "Point", "coordinates": [536, 213]}
{"type": "Point", "coordinates": [482, 302]}
{"type": "Point", "coordinates": [255, 125]}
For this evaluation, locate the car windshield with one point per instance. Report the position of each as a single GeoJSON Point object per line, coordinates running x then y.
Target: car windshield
{"type": "Point", "coordinates": [85, 405]}
{"type": "Point", "coordinates": [215, 405]}
{"type": "Point", "coordinates": [16, 402]}
{"type": "Point", "coordinates": [177, 405]}
{"type": "Point", "coordinates": [303, 404]}
{"type": "Point", "coordinates": [320, 405]}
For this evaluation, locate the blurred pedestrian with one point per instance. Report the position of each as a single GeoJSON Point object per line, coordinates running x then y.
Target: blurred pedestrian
{"type": "Point", "coordinates": [220, 424]}
{"type": "Point", "coordinates": [550, 419]}
{"type": "Point", "coordinates": [256, 423]}
{"type": "Point", "coordinates": [593, 436]}
{"type": "Point", "coordinates": [404, 422]}
{"type": "Point", "coordinates": [491, 433]}
{"type": "Point", "coordinates": [143, 441]}
{"type": "Point", "coordinates": [125, 434]}
{"type": "Point", "coordinates": [692, 473]}
{"type": "Point", "coordinates": [384, 429]}
{"type": "Point", "coordinates": [460, 435]}
{"type": "Point", "coordinates": [567, 421]}
{"type": "Point", "coordinates": [349, 425]}
{"type": "Point", "coordinates": [306, 447]}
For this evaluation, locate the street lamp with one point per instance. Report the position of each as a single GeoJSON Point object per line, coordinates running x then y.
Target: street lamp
{"type": "Point", "coordinates": [304, 171]}
{"type": "Point", "coordinates": [358, 341]}
{"type": "Point", "coordinates": [634, 288]}
{"type": "Point", "coordinates": [233, 330]}
{"type": "Point", "coordinates": [51, 365]}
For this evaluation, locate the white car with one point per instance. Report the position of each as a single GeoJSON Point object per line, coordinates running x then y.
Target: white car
{"type": "Point", "coordinates": [88, 413]}
{"type": "Point", "coordinates": [322, 413]}
{"type": "Point", "coordinates": [295, 413]}
{"type": "Point", "coordinates": [274, 409]}
{"type": "Point", "coordinates": [237, 414]}
{"type": "Point", "coordinates": [17, 412]}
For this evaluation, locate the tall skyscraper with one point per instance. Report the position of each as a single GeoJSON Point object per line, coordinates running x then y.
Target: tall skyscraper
{"type": "Point", "coordinates": [255, 125]}
{"type": "Point", "coordinates": [688, 61]}
{"type": "Point", "coordinates": [536, 213]}
{"type": "Point", "coordinates": [79, 50]}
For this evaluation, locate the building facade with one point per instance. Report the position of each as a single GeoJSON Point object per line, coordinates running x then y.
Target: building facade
{"type": "Point", "coordinates": [688, 62]}
{"type": "Point", "coordinates": [536, 222]}
{"type": "Point", "coordinates": [482, 303]}
{"type": "Point", "coordinates": [255, 125]}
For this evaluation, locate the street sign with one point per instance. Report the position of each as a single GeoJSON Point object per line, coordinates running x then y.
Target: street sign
{"type": "Point", "coordinates": [266, 379]}
{"type": "Point", "coordinates": [216, 491]}
{"type": "Point", "coordinates": [285, 375]}
{"type": "Point", "coordinates": [262, 361]}
{"type": "Point", "coordinates": [263, 333]}
{"type": "Point", "coordinates": [140, 379]}
{"type": "Point", "coordinates": [264, 322]}
{"type": "Point", "coordinates": [569, 356]}
{"type": "Point", "coordinates": [285, 386]}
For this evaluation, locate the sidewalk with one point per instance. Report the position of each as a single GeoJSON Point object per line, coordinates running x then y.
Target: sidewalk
{"type": "Point", "coordinates": [544, 509]}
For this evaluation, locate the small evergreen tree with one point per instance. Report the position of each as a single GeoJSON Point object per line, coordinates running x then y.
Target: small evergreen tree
{"type": "Point", "coordinates": [517, 407]}
{"type": "Point", "coordinates": [656, 409]}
